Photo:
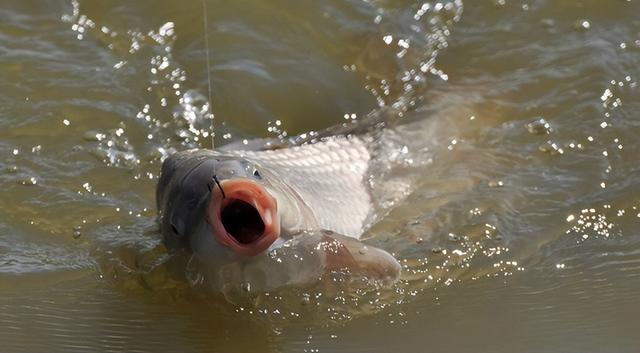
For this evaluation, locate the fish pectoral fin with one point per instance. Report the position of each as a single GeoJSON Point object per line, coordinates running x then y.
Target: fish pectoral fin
{"type": "Point", "coordinates": [346, 253]}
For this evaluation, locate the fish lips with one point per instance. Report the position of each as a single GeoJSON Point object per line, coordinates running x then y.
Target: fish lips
{"type": "Point", "coordinates": [243, 216]}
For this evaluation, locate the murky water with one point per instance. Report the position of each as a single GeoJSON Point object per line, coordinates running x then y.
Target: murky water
{"type": "Point", "coordinates": [520, 231]}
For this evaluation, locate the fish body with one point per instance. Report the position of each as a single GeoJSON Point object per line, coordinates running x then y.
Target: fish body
{"type": "Point", "coordinates": [274, 217]}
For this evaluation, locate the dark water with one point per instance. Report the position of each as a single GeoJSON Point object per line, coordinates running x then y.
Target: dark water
{"type": "Point", "coordinates": [521, 235]}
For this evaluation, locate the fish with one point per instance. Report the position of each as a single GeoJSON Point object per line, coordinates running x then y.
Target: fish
{"type": "Point", "coordinates": [266, 216]}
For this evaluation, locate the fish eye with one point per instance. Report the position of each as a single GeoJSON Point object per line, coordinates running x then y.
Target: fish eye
{"type": "Point", "coordinates": [256, 174]}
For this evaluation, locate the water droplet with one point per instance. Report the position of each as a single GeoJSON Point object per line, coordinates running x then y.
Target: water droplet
{"type": "Point", "coordinates": [28, 181]}
{"type": "Point", "coordinates": [551, 148]}
{"type": "Point", "coordinates": [539, 126]}
{"type": "Point", "coordinates": [246, 287]}
{"type": "Point", "coordinates": [499, 3]}
{"type": "Point", "coordinates": [168, 29]}
{"type": "Point", "coordinates": [76, 232]}
{"type": "Point", "coordinates": [582, 25]}
{"type": "Point", "coordinates": [306, 299]}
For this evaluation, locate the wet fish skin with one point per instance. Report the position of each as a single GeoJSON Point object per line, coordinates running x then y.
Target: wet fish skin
{"type": "Point", "coordinates": [316, 186]}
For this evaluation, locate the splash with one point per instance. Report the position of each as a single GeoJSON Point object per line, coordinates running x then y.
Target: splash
{"type": "Point", "coordinates": [397, 63]}
{"type": "Point", "coordinates": [172, 112]}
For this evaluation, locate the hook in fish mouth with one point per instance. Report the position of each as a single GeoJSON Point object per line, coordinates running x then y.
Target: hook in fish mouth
{"type": "Point", "coordinates": [244, 217]}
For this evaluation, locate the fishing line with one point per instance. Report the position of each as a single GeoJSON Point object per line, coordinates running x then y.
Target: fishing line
{"type": "Point", "coordinates": [208, 64]}
{"type": "Point", "coordinates": [205, 24]}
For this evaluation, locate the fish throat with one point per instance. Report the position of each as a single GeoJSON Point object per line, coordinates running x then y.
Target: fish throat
{"type": "Point", "coordinates": [245, 219]}
{"type": "Point", "coordinates": [242, 221]}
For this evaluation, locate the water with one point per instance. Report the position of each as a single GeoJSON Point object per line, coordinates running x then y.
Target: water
{"type": "Point", "coordinates": [522, 234]}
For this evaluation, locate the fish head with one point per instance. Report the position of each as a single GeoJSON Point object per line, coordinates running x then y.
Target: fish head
{"type": "Point", "coordinates": [217, 205]}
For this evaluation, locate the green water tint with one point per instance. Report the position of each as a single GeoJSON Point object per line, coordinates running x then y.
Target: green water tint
{"type": "Point", "coordinates": [514, 235]}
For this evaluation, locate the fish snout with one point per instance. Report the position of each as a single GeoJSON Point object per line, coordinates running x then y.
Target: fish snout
{"type": "Point", "coordinates": [243, 216]}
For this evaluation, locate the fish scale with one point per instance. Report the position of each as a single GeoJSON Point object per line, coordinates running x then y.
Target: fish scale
{"type": "Point", "coordinates": [329, 176]}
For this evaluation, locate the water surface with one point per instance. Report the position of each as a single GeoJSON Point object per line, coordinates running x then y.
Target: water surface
{"type": "Point", "coordinates": [521, 233]}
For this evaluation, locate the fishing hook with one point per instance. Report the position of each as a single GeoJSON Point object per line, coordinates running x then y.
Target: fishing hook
{"type": "Point", "coordinates": [215, 179]}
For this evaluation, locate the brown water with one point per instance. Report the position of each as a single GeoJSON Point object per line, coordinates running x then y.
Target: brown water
{"type": "Point", "coordinates": [521, 236]}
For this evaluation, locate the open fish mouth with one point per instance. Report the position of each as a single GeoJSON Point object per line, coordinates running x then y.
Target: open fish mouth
{"type": "Point", "coordinates": [244, 217]}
